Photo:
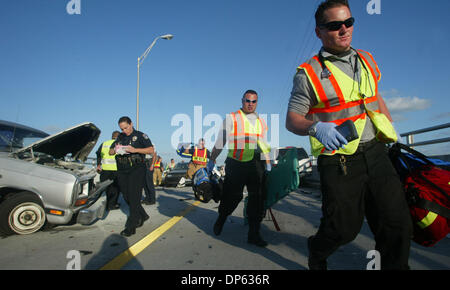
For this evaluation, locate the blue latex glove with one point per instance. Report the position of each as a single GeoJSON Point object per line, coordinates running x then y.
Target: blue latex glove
{"type": "Point", "coordinates": [329, 136]}
{"type": "Point", "coordinates": [210, 166]}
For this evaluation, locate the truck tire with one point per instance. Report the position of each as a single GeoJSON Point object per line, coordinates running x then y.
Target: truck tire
{"type": "Point", "coordinates": [21, 213]}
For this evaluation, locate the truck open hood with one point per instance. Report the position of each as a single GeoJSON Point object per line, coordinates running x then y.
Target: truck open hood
{"type": "Point", "coordinates": [78, 141]}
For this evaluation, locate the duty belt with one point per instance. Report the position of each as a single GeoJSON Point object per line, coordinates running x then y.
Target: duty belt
{"type": "Point", "coordinates": [129, 160]}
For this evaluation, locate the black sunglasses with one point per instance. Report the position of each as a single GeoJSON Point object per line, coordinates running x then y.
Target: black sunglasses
{"type": "Point", "coordinates": [250, 101]}
{"type": "Point", "coordinates": [336, 25]}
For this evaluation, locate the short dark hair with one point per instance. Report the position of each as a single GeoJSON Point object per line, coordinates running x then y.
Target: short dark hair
{"type": "Point", "coordinates": [115, 133]}
{"type": "Point", "coordinates": [249, 92]}
{"type": "Point", "coordinates": [325, 5]}
{"type": "Point", "coordinates": [125, 119]}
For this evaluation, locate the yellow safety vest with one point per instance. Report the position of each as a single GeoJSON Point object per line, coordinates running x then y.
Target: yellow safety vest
{"type": "Point", "coordinates": [157, 164]}
{"type": "Point", "coordinates": [108, 161]}
{"type": "Point", "coordinates": [245, 138]}
{"type": "Point", "coordinates": [197, 159]}
{"type": "Point", "coordinates": [341, 98]}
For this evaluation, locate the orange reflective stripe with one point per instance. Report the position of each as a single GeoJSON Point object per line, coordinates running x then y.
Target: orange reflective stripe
{"type": "Point", "coordinates": [353, 118]}
{"type": "Point", "coordinates": [336, 108]}
{"type": "Point", "coordinates": [343, 106]}
{"type": "Point", "coordinates": [316, 82]}
{"type": "Point", "coordinates": [235, 131]}
{"type": "Point", "coordinates": [242, 122]}
{"type": "Point", "coordinates": [241, 151]}
{"type": "Point", "coordinates": [334, 83]}
{"type": "Point", "coordinates": [243, 131]}
{"type": "Point", "coordinates": [241, 138]}
{"type": "Point", "coordinates": [373, 60]}
{"type": "Point", "coordinates": [371, 99]}
{"type": "Point", "coordinates": [372, 71]}
{"type": "Point", "coordinates": [264, 127]}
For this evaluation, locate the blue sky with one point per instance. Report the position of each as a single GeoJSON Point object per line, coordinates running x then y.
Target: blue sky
{"type": "Point", "coordinates": [58, 70]}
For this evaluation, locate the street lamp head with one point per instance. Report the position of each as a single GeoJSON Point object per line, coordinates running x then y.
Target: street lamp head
{"type": "Point", "coordinates": [167, 36]}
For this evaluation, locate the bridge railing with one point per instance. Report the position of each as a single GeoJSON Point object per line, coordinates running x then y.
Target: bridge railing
{"type": "Point", "coordinates": [410, 136]}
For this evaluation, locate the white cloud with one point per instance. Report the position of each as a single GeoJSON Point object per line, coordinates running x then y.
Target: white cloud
{"type": "Point", "coordinates": [406, 104]}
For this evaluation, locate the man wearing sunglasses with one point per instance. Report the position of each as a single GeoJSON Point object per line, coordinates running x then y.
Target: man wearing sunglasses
{"type": "Point", "coordinates": [357, 177]}
{"type": "Point", "coordinates": [248, 157]}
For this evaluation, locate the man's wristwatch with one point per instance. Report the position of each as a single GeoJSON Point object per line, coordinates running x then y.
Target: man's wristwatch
{"type": "Point", "coordinates": [312, 129]}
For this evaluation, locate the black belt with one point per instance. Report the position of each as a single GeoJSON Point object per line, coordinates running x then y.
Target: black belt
{"type": "Point", "coordinates": [366, 145]}
{"type": "Point", "coordinates": [129, 160]}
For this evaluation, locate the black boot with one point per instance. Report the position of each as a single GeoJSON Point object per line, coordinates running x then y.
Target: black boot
{"type": "Point", "coordinates": [219, 224]}
{"type": "Point", "coordinates": [127, 232]}
{"type": "Point", "coordinates": [254, 236]}
{"type": "Point", "coordinates": [314, 263]}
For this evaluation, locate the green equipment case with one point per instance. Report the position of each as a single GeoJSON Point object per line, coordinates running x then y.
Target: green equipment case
{"type": "Point", "coordinates": [281, 180]}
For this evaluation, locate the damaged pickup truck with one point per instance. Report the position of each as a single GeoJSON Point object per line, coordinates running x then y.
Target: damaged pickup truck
{"type": "Point", "coordinates": [40, 185]}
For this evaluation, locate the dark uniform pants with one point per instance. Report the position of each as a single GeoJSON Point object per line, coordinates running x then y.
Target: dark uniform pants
{"type": "Point", "coordinates": [131, 183]}
{"type": "Point", "coordinates": [370, 188]}
{"type": "Point", "coordinates": [112, 192]}
{"type": "Point", "coordinates": [237, 175]}
{"type": "Point", "coordinates": [149, 188]}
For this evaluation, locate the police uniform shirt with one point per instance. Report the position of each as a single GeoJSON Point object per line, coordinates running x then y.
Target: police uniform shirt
{"type": "Point", "coordinates": [137, 139]}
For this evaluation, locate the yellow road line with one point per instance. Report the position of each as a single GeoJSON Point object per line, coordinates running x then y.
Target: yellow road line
{"type": "Point", "coordinates": [122, 259]}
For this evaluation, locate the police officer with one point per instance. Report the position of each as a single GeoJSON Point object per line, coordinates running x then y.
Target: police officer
{"type": "Point", "coordinates": [130, 149]}
{"type": "Point", "coordinates": [106, 166]}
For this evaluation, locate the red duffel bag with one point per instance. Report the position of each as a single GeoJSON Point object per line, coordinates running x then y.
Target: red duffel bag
{"type": "Point", "coordinates": [427, 189]}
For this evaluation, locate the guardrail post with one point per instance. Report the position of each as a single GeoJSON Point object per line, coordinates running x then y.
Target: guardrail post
{"type": "Point", "coordinates": [410, 139]}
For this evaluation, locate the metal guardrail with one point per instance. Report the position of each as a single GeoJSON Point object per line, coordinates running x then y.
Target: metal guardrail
{"type": "Point", "coordinates": [410, 136]}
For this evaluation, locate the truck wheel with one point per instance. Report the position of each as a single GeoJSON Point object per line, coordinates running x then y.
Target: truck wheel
{"type": "Point", "coordinates": [21, 213]}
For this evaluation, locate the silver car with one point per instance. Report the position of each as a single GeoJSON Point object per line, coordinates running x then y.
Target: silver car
{"type": "Point", "coordinates": [42, 179]}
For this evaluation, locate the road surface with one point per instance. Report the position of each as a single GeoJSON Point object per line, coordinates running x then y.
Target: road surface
{"type": "Point", "coordinates": [179, 236]}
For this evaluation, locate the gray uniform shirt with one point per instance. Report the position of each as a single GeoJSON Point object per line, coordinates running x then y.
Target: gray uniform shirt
{"type": "Point", "coordinates": [303, 97]}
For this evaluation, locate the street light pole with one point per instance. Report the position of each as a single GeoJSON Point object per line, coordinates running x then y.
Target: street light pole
{"type": "Point", "coordinates": [140, 60]}
{"type": "Point", "coordinates": [137, 97]}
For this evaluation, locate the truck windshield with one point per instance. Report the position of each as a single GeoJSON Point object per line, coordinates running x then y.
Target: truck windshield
{"type": "Point", "coordinates": [15, 137]}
